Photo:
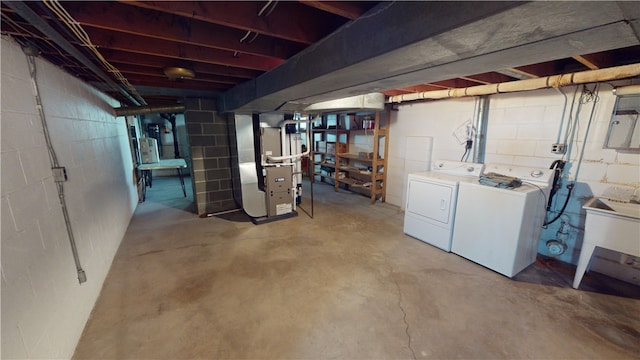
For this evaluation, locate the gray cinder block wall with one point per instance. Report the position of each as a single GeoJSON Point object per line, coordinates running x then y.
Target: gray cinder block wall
{"type": "Point", "coordinates": [214, 157]}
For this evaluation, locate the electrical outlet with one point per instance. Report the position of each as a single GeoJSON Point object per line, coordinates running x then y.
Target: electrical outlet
{"type": "Point", "coordinates": [558, 148]}
{"type": "Point", "coordinates": [59, 174]}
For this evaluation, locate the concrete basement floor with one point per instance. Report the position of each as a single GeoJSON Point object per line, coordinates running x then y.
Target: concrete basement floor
{"type": "Point", "coordinates": [347, 284]}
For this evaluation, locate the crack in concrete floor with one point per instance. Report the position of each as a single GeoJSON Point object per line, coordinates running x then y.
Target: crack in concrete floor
{"type": "Point", "coordinates": [246, 297]}
{"type": "Point", "coordinates": [404, 313]}
{"type": "Point", "coordinates": [404, 317]}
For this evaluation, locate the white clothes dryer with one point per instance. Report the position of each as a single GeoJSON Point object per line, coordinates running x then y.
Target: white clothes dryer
{"type": "Point", "coordinates": [499, 228]}
{"type": "Point", "coordinates": [431, 201]}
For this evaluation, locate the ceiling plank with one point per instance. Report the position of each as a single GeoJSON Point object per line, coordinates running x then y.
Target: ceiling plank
{"type": "Point", "coordinates": [138, 21]}
{"type": "Point", "coordinates": [289, 20]}
{"type": "Point", "coordinates": [349, 10]}
{"type": "Point", "coordinates": [142, 45]}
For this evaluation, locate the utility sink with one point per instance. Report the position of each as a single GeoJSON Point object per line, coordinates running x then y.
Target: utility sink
{"type": "Point", "coordinates": [613, 207]}
{"type": "Point", "coordinates": [611, 225]}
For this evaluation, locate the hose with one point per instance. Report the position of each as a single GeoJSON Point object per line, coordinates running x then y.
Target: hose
{"type": "Point", "coordinates": [557, 166]}
{"type": "Point", "coordinates": [564, 206]}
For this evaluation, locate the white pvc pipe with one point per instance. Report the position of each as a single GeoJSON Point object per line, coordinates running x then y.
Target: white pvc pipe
{"type": "Point", "coordinates": [283, 139]}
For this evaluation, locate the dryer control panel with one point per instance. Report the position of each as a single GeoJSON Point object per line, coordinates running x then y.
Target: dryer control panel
{"type": "Point", "coordinates": [457, 168]}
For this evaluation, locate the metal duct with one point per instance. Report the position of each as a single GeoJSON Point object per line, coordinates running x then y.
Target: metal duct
{"type": "Point", "coordinates": [34, 19]}
{"type": "Point", "coordinates": [627, 90]}
{"type": "Point", "coordinates": [481, 123]}
{"type": "Point", "coordinates": [148, 109]}
{"type": "Point", "coordinates": [554, 81]}
{"type": "Point", "coordinates": [373, 101]}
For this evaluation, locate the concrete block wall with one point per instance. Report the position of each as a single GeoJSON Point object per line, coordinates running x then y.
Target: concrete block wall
{"type": "Point", "coordinates": [44, 308]}
{"type": "Point", "coordinates": [521, 129]}
{"type": "Point", "coordinates": [421, 133]}
{"type": "Point", "coordinates": [214, 156]}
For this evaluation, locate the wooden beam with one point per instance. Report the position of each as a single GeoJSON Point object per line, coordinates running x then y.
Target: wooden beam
{"type": "Point", "coordinates": [419, 88]}
{"type": "Point", "coordinates": [124, 57]}
{"type": "Point", "coordinates": [349, 10]}
{"type": "Point", "coordinates": [289, 20]}
{"type": "Point", "coordinates": [137, 44]}
{"type": "Point", "coordinates": [523, 73]}
{"type": "Point", "coordinates": [137, 21]}
{"type": "Point", "coordinates": [478, 81]}
{"type": "Point", "coordinates": [488, 78]}
{"type": "Point", "coordinates": [582, 60]}
{"type": "Point", "coordinates": [606, 59]}
{"type": "Point", "coordinates": [454, 83]}
{"type": "Point", "coordinates": [395, 92]}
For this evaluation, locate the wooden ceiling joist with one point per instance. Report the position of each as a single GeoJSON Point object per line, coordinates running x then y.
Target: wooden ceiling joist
{"type": "Point", "coordinates": [150, 23]}
{"type": "Point", "coordinates": [526, 74]}
{"type": "Point", "coordinates": [349, 10]}
{"type": "Point", "coordinates": [136, 44]}
{"type": "Point", "coordinates": [307, 26]}
{"type": "Point", "coordinates": [123, 57]}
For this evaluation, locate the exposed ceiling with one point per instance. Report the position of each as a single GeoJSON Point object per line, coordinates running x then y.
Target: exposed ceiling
{"type": "Point", "coordinates": [262, 55]}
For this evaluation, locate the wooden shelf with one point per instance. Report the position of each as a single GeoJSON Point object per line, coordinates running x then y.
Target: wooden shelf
{"type": "Point", "coordinates": [350, 165]}
{"type": "Point", "coordinates": [325, 164]}
{"type": "Point", "coordinates": [356, 157]}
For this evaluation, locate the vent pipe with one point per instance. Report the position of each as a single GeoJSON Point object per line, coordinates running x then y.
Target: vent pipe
{"type": "Point", "coordinates": [481, 122]}
{"type": "Point", "coordinates": [554, 81]}
{"type": "Point", "coordinates": [148, 109]}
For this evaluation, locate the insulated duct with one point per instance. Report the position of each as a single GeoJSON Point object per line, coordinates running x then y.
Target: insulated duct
{"type": "Point", "coordinates": [373, 101]}
{"type": "Point", "coordinates": [148, 109]}
{"type": "Point", "coordinates": [554, 81]}
{"type": "Point", "coordinates": [627, 90]}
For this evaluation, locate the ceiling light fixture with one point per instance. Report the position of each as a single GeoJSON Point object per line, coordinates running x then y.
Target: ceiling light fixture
{"type": "Point", "coordinates": [174, 73]}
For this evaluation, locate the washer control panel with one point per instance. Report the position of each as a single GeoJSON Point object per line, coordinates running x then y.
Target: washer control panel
{"type": "Point", "coordinates": [524, 173]}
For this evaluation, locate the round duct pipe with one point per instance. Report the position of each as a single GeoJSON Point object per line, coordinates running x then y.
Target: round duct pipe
{"type": "Point", "coordinates": [148, 109]}
{"type": "Point", "coordinates": [627, 90]}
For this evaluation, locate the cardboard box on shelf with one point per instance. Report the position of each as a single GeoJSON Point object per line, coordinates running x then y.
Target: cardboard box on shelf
{"type": "Point", "coordinates": [365, 155]}
{"type": "Point", "coordinates": [340, 147]}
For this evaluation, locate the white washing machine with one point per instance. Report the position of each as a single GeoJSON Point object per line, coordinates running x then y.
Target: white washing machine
{"type": "Point", "coordinates": [431, 201]}
{"type": "Point", "coordinates": [499, 228]}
